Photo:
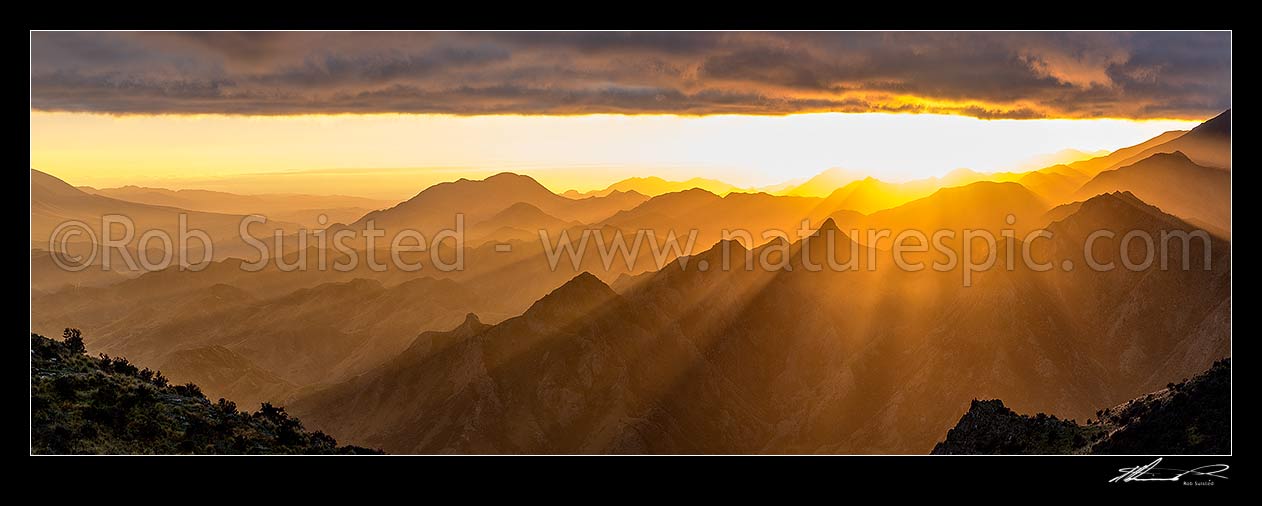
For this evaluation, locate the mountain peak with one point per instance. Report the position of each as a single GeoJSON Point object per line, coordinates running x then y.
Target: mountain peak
{"type": "Point", "coordinates": [824, 183]}
{"type": "Point", "coordinates": [984, 189]}
{"type": "Point", "coordinates": [1218, 125]}
{"type": "Point", "coordinates": [501, 179]}
{"type": "Point", "coordinates": [1164, 157]}
{"type": "Point", "coordinates": [1118, 207]}
{"type": "Point", "coordinates": [1122, 196]}
{"type": "Point", "coordinates": [576, 298]}
{"type": "Point", "coordinates": [961, 175]}
{"type": "Point", "coordinates": [1127, 196]}
{"type": "Point", "coordinates": [584, 281]}
{"type": "Point", "coordinates": [52, 184]}
{"type": "Point", "coordinates": [521, 207]}
{"type": "Point", "coordinates": [694, 191]}
{"type": "Point", "coordinates": [715, 255]}
{"type": "Point", "coordinates": [828, 240]}
{"type": "Point", "coordinates": [1131, 200]}
{"type": "Point", "coordinates": [829, 230]}
{"type": "Point", "coordinates": [508, 176]}
{"type": "Point", "coordinates": [734, 244]}
{"type": "Point", "coordinates": [517, 182]}
{"type": "Point", "coordinates": [478, 199]}
{"type": "Point", "coordinates": [584, 286]}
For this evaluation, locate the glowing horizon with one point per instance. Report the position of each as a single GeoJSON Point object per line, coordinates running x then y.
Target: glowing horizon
{"type": "Point", "coordinates": [397, 155]}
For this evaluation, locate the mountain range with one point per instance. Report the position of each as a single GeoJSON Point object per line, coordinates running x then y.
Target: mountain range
{"type": "Point", "coordinates": [54, 202]}
{"type": "Point", "coordinates": [795, 362]}
{"type": "Point", "coordinates": [436, 207]}
{"type": "Point", "coordinates": [1208, 144]}
{"type": "Point", "coordinates": [653, 186]}
{"type": "Point", "coordinates": [301, 209]}
{"type": "Point", "coordinates": [1173, 182]}
{"type": "Point", "coordinates": [665, 352]}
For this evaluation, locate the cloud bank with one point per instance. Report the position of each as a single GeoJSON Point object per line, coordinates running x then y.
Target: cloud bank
{"type": "Point", "coordinates": [986, 75]}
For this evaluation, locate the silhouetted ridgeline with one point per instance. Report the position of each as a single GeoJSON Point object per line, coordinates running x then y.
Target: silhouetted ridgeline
{"type": "Point", "coordinates": [81, 404]}
{"type": "Point", "coordinates": [1191, 417]}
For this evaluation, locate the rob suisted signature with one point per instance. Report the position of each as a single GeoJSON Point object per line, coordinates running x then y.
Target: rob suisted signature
{"type": "Point", "coordinates": [1151, 472]}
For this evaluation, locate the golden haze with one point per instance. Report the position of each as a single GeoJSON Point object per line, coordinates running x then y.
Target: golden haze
{"type": "Point", "coordinates": [395, 155]}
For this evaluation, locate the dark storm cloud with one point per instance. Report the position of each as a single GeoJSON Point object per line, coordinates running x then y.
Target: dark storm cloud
{"type": "Point", "coordinates": [987, 75]}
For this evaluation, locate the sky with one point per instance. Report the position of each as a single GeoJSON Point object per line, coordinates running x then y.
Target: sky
{"type": "Point", "coordinates": [395, 155]}
{"type": "Point", "coordinates": [316, 112]}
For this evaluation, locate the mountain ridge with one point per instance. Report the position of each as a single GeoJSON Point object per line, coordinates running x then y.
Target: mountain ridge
{"type": "Point", "coordinates": [82, 405]}
{"type": "Point", "coordinates": [1175, 183]}
{"type": "Point", "coordinates": [1189, 417]}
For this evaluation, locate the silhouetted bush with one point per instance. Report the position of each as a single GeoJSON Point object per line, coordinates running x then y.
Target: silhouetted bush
{"type": "Point", "coordinates": [73, 340]}
{"type": "Point", "coordinates": [159, 380]}
{"type": "Point", "coordinates": [189, 389]}
{"type": "Point", "coordinates": [226, 407]}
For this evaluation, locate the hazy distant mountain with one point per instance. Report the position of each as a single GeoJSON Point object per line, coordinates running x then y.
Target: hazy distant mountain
{"type": "Point", "coordinates": [1208, 144]}
{"type": "Point", "coordinates": [981, 205]}
{"type": "Point", "coordinates": [223, 373]}
{"type": "Point", "coordinates": [436, 207]}
{"type": "Point", "coordinates": [307, 336]}
{"type": "Point", "coordinates": [335, 329]}
{"type": "Point", "coordinates": [869, 195]}
{"type": "Point", "coordinates": [711, 215]}
{"type": "Point", "coordinates": [1176, 184]}
{"type": "Point", "coordinates": [779, 188]}
{"type": "Point", "coordinates": [961, 177]}
{"type": "Point", "coordinates": [54, 202]}
{"type": "Point", "coordinates": [653, 186]}
{"type": "Point", "coordinates": [824, 183]}
{"type": "Point", "coordinates": [520, 221]}
{"type": "Point", "coordinates": [563, 377]}
{"type": "Point", "coordinates": [297, 208]}
{"type": "Point", "coordinates": [1055, 183]}
{"type": "Point", "coordinates": [1094, 165]}
{"type": "Point", "coordinates": [47, 275]}
{"type": "Point", "coordinates": [1061, 212]}
{"type": "Point", "coordinates": [225, 300]}
{"type": "Point", "coordinates": [1064, 156]}
{"type": "Point", "coordinates": [93, 306]}
{"type": "Point", "coordinates": [1189, 417]}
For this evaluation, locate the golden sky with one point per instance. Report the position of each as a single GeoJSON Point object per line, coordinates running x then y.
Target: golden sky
{"type": "Point", "coordinates": [396, 155]}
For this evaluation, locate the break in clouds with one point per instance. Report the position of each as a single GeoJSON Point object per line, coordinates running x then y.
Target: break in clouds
{"type": "Point", "coordinates": [985, 75]}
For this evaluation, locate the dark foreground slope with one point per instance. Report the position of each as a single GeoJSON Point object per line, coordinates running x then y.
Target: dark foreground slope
{"type": "Point", "coordinates": [101, 405]}
{"type": "Point", "coordinates": [1191, 417]}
